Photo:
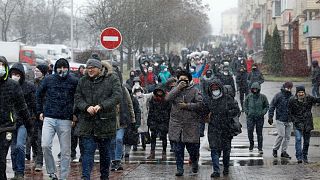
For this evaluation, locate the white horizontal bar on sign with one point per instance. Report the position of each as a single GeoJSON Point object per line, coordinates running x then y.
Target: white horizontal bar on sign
{"type": "Point", "coordinates": [110, 38]}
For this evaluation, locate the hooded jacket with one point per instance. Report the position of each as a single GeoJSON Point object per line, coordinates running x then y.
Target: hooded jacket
{"type": "Point", "coordinates": [222, 110]}
{"type": "Point", "coordinates": [104, 90]}
{"type": "Point", "coordinates": [184, 123]}
{"type": "Point", "coordinates": [255, 76]}
{"type": "Point", "coordinates": [256, 105]}
{"type": "Point", "coordinates": [300, 112]}
{"type": "Point", "coordinates": [159, 112]}
{"type": "Point", "coordinates": [280, 104]}
{"type": "Point", "coordinates": [11, 100]}
{"type": "Point", "coordinates": [28, 90]}
{"type": "Point", "coordinates": [58, 93]}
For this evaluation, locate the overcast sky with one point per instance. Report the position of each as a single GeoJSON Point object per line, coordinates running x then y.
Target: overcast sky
{"type": "Point", "coordinates": [216, 8]}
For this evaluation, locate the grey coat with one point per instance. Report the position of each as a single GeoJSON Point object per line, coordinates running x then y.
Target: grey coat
{"type": "Point", "coordinates": [184, 123]}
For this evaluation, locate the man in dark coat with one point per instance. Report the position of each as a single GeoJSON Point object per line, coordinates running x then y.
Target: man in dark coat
{"type": "Point", "coordinates": [300, 114]}
{"type": "Point", "coordinates": [97, 95]}
{"type": "Point", "coordinates": [222, 108]}
{"type": "Point", "coordinates": [242, 84]}
{"type": "Point", "coordinates": [158, 120]}
{"type": "Point", "coordinates": [20, 136]}
{"type": "Point", "coordinates": [55, 100]}
{"type": "Point", "coordinates": [255, 76]}
{"type": "Point", "coordinates": [315, 78]}
{"type": "Point", "coordinates": [11, 102]}
{"type": "Point", "coordinates": [256, 105]}
{"type": "Point", "coordinates": [184, 120]}
{"type": "Point", "coordinates": [280, 104]}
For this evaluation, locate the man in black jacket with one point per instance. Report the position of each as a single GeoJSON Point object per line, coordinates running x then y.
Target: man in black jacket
{"type": "Point", "coordinates": [56, 112]}
{"type": "Point", "coordinates": [11, 102]}
{"type": "Point", "coordinates": [18, 144]}
{"type": "Point", "coordinates": [280, 104]}
{"type": "Point", "coordinates": [300, 114]}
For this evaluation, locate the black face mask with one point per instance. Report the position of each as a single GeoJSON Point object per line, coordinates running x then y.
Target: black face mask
{"type": "Point", "coordinates": [209, 75]}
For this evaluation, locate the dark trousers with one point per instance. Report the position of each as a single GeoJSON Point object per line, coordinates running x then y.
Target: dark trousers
{"type": "Point", "coordinates": [193, 150]}
{"type": "Point", "coordinates": [5, 144]}
{"type": "Point", "coordinates": [163, 137]}
{"type": "Point", "coordinates": [39, 157]}
{"type": "Point", "coordinates": [32, 143]}
{"type": "Point", "coordinates": [89, 147]}
{"type": "Point", "coordinates": [242, 94]}
{"type": "Point", "coordinates": [216, 153]}
{"type": "Point", "coordinates": [258, 123]}
{"type": "Point", "coordinates": [202, 127]}
{"type": "Point", "coordinates": [74, 143]}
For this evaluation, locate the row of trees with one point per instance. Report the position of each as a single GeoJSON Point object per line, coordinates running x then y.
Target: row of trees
{"type": "Point", "coordinates": [151, 23]}
{"type": "Point", "coordinates": [34, 21]}
{"type": "Point", "coordinates": [272, 56]}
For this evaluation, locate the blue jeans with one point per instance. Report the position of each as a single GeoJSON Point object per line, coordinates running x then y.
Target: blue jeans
{"type": "Point", "coordinates": [258, 123]}
{"type": "Point", "coordinates": [315, 90]}
{"type": "Point", "coordinates": [117, 145]}
{"type": "Point", "coordinates": [63, 129]}
{"type": "Point", "coordinates": [89, 145]}
{"type": "Point", "coordinates": [193, 150]}
{"type": "Point", "coordinates": [18, 153]}
{"type": "Point", "coordinates": [215, 155]}
{"type": "Point", "coordinates": [302, 154]}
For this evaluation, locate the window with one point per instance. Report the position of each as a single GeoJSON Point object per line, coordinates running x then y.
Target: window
{"type": "Point", "coordinates": [276, 9]}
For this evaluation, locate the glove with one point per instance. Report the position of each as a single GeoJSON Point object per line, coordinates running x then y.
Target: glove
{"type": "Point", "coordinates": [270, 121]}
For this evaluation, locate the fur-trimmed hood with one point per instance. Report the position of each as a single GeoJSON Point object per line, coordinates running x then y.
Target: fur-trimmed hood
{"type": "Point", "coordinates": [106, 67]}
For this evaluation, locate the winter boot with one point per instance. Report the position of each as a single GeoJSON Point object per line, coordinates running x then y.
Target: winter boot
{"type": "Point", "coordinates": [113, 166]}
{"type": "Point", "coordinates": [118, 165]}
{"type": "Point", "coordinates": [152, 155]}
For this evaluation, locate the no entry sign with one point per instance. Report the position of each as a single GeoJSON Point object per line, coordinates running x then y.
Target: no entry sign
{"type": "Point", "coordinates": [110, 38]}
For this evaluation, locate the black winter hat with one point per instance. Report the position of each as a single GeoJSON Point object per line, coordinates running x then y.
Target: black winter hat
{"type": "Point", "coordinates": [300, 88]}
{"type": "Point", "coordinates": [43, 68]}
{"type": "Point", "coordinates": [61, 63]}
{"type": "Point", "coordinates": [184, 73]}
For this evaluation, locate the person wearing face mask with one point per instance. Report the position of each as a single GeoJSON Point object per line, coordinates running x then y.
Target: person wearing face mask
{"type": "Point", "coordinates": [226, 78]}
{"type": "Point", "coordinates": [184, 120]}
{"type": "Point", "coordinates": [249, 63]}
{"type": "Point", "coordinates": [221, 109]}
{"type": "Point", "coordinates": [39, 74]}
{"type": "Point", "coordinates": [12, 106]}
{"type": "Point", "coordinates": [280, 104]}
{"type": "Point", "coordinates": [143, 100]}
{"type": "Point", "coordinates": [130, 81]}
{"type": "Point", "coordinates": [164, 75]}
{"type": "Point", "coordinates": [242, 84]}
{"type": "Point", "coordinates": [55, 100]}
{"type": "Point", "coordinates": [96, 99]}
{"type": "Point", "coordinates": [299, 110]}
{"type": "Point", "coordinates": [158, 120]}
{"type": "Point", "coordinates": [255, 76]}
{"type": "Point", "coordinates": [197, 74]}
{"type": "Point", "coordinates": [256, 105]}
{"type": "Point", "coordinates": [19, 138]}
{"type": "Point", "coordinates": [148, 79]}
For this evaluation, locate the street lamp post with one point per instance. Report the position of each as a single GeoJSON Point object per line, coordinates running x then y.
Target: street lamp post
{"type": "Point", "coordinates": [72, 58]}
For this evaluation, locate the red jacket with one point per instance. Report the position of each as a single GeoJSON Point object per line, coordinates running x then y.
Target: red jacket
{"type": "Point", "coordinates": [249, 63]}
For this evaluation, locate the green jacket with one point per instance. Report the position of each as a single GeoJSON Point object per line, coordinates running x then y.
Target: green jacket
{"type": "Point", "coordinates": [104, 91]}
{"type": "Point", "coordinates": [256, 105]}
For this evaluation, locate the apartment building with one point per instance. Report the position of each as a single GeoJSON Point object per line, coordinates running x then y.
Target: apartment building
{"type": "Point", "coordinates": [229, 21]}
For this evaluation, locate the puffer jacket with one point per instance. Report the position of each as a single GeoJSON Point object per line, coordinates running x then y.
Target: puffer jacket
{"type": "Point", "coordinates": [58, 93]}
{"type": "Point", "coordinates": [11, 100]}
{"type": "Point", "coordinates": [280, 104]}
{"type": "Point", "coordinates": [105, 90]}
{"type": "Point", "coordinates": [256, 105]}
{"type": "Point", "coordinates": [222, 110]}
{"type": "Point", "coordinates": [29, 91]}
{"type": "Point", "coordinates": [184, 123]}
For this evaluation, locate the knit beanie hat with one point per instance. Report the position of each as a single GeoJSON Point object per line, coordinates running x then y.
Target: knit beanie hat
{"type": "Point", "coordinates": [43, 68]}
{"type": "Point", "coordinates": [288, 85]}
{"type": "Point", "coordinates": [94, 63]}
{"type": "Point", "coordinates": [300, 88]}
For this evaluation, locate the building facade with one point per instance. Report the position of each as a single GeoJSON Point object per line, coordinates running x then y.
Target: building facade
{"type": "Point", "coordinates": [229, 21]}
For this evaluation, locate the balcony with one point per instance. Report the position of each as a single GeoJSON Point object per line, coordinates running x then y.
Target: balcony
{"type": "Point", "coordinates": [310, 5]}
{"type": "Point", "coordinates": [311, 29]}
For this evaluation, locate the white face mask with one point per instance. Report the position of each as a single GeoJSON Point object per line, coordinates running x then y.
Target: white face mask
{"type": "Point", "coordinates": [156, 64]}
{"type": "Point", "coordinates": [216, 92]}
{"type": "Point", "coordinates": [2, 71]}
{"type": "Point", "coordinates": [225, 73]}
{"type": "Point", "coordinates": [138, 93]}
{"type": "Point", "coordinates": [192, 70]}
{"type": "Point", "coordinates": [15, 78]}
{"type": "Point", "coordinates": [165, 69]}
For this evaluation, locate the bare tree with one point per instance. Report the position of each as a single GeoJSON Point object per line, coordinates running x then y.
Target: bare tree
{"type": "Point", "coordinates": [6, 11]}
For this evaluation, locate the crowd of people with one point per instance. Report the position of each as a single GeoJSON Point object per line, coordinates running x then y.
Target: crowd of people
{"type": "Point", "coordinates": [166, 97]}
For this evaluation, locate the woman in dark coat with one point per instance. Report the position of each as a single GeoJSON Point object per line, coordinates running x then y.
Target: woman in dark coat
{"type": "Point", "coordinates": [222, 108]}
{"type": "Point", "coordinates": [158, 120]}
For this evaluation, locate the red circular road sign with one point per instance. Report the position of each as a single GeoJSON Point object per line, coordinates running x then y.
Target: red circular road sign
{"type": "Point", "coordinates": [110, 38]}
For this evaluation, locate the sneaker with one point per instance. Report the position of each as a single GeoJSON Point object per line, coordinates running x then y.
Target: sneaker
{"type": "Point", "coordinates": [28, 157]}
{"type": "Point", "coordinates": [305, 161]}
{"type": "Point", "coordinates": [179, 172]}
{"type": "Point", "coordinates": [260, 151]}
{"type": "Point", "coordinates": [285, 155]}
{"type": "Point", "coordinates": [18, 176]}
{"type": "Point", "coordinates": [195, 167]}
{"type": "Point", "coordinates": [113, 166]}
{"type": "Point", "coordinates": [215, 175]}
{"type": "Point", "coordinates": [275, 153]}
{"type": "Point", "coordinates": [251, 148]}
{"type": "Point", "coordinates": [53, 177]}
{"type": "Point", "coordinates": [38, 167]}
{"type": "Point", "coordinates": [299, 161]}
